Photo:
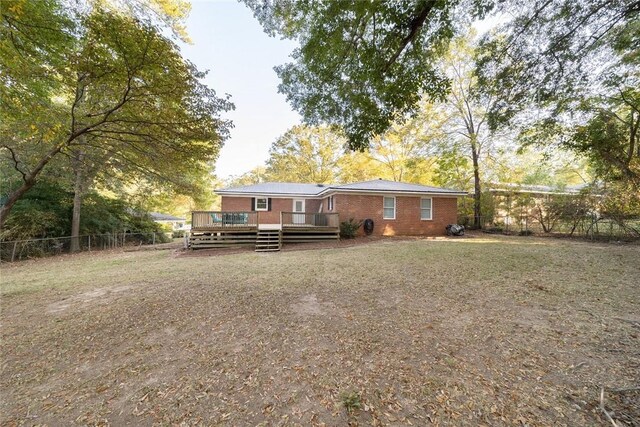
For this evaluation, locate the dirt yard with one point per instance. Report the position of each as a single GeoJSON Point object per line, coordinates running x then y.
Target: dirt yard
{"type": "Point", "coordinates": [486, 330]}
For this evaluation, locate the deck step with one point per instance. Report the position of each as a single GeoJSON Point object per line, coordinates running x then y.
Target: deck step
{"type": "Point", "coordinates": [268, 240]}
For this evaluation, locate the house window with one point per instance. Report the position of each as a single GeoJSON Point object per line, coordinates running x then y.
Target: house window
{"type": "Point", "coordinates": [262, 204]}
{"type": "Point", "coordinates": [425, 209]}
{"type": "Point", "coordinates": [389, 208]}
{"type": "Point", "coordinates": [330, 203]}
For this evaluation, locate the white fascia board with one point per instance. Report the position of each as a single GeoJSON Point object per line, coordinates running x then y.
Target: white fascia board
{"type": "Point", "coordinates": [392, 193]}
{"type": "Point", "coordinates": [270, 195]}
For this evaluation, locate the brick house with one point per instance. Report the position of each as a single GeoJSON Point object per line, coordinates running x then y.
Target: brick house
{"type": "Point", "coordinates": [268, 214]}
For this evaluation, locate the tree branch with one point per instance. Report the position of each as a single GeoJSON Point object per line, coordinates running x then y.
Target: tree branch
{"type": "Point", "coordinates": [414, 29]}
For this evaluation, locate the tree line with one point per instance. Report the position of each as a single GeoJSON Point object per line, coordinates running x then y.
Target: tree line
{"type": "Point", "coordinates": [97, 99]}
{"type": "Point", "coordinates": [97, 96]}
{"type": "Point", "coordinates": [555, 74]}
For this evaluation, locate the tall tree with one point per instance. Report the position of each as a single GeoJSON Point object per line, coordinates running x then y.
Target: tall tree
{"type": "Point", "coordinates": [361, 64]}
{"type": "Point", "coordinates": [573, 63]}
{"type": "Point", "coordinates": [305, 154]}
{"type": "Point", "coordinates": [115, 93]}
{"type": "Point", "coordinates": [402, 151]}
{"type": "Point", "coordinates": [467, 113]}
{"type": "Point", "coordinates": [254, 176]}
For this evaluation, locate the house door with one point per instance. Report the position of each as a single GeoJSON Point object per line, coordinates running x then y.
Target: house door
{"type": "Point", "coordinates": [298, 206]}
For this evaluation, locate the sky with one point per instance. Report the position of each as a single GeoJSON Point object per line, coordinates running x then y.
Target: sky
{"type": "Point", "coordinates": [229, 42]}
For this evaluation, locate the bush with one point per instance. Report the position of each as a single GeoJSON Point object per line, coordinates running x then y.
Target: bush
{"type": "Point", "coordinates": [525, 233]}
{"type": "Point", "coordinates": [178, 234]}
{"type": "Point", "coordinates": [45, 211]}
{"type": "Point", "coordinates": [349, 229]}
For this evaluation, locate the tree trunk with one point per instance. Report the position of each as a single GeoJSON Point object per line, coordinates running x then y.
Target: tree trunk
{"type": "Point", "coordinates": [477, 194]}
{"type": "Point", "coordinates": [78, 192]}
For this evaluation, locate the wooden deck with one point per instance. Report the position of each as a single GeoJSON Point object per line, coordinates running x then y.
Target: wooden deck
{"type": "Point", "coordinates": [216, 229]}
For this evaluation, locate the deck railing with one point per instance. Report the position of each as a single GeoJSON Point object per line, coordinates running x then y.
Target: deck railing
{"type": "Point", "coordinates": [217, 219]}
{"type": "Point", "coordinates": [309, 219]}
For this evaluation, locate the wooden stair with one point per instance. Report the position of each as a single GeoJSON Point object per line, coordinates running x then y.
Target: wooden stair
{"type": "Point", "coordinates": [268, 240]}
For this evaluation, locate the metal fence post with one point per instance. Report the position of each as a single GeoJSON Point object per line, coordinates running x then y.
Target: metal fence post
{"type": "Point", "coordinates": [13, 254]}
{"type": "Point", "coordinates": [89, 239]}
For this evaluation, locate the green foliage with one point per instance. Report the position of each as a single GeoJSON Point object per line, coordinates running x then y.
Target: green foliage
{"type": "Point", "coordinates": [351, 401]}
{"type": "Point", "coordinates": [552, 53]}
{"type": "Point", "coordinates": [305, 154]}
{"type": "Point", "coordinates": [610, 145]}
{"type": "Point", "coordinates": [45, 211]}
{"type": "Point", "coordinates": [577, 66]}
{"type": "Point", "coordinates": [360, 65]}
{"type": "Point", "coordinates": [466, 210]}
{"type": "Point", "coordinates": [113, 91]}
{"type": "Point", "coordinates": [622, 201]}
{"type": "Point", "coordinates": [349, 229]}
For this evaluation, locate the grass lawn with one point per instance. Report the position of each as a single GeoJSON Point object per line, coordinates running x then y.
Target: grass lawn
{"type": "Point", "coordinates": [475, 331]}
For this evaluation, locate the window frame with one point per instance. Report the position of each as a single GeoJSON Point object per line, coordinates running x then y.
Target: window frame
{"type": "Point", "coordinates": [266, 204]}
{"type": "Point", "coordinates": [423, 209]}
{"type": "Point", "coordinates": [385, 207]}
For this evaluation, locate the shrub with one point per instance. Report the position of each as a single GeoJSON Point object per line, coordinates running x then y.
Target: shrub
{"type": "Point", "coordinates": [349, 229]}
{"type": "Point", "coordinates": [351, 400]}
{"type": "Point", "coordinates": [525, 233]}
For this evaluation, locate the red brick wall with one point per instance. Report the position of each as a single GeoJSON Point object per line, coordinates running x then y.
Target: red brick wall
{"type": "Point", "coordinates": [312, 205]}
{"type": "Point", "coordinates": [407, 222]}
{"type": "Point", "coordinates": [243, 204]}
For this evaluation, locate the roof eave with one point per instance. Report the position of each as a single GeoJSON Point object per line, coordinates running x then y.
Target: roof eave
{"type": "Point", "coordinates": [406, 192]}
{"type": "Point", "coordinates": [262, 194]}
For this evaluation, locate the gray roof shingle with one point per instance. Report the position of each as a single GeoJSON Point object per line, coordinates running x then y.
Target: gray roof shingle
{"type": "Point", "coordinates": [286, 188]}
{"type": "Point", "coordinates": [310, 190]}
{"type": "Point", "coordinates": [393, 186]}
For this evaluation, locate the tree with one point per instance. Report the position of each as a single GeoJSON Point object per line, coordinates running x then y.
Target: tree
{"type": "Point", "coordinates": [402, 151]}
{"type": "Point", "coordinates": [254, 176]}
{"type": "Point", "coordinates": [356, 166]}
{"type": "Point", "coordinates": [571, 62]}
{"type": "Point", "coordinates": [467, 112]}
{"type": "Point", "coordinates": [305, 154]}
{"type": "Point", "coordinates": [115, 95]}
{"type": "Point", "coordinates": [361, 65]}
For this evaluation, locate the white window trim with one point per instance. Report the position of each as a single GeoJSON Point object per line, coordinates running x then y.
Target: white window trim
{"type": "Point", "coordinates": [266, 205]}
{"type": "Point", "coordinates": [330, 203]}
{"type": "Point", "coordinates": [430, 210]}
{"type": "Point", "coordinates": [304, 207]}
{"type": "Point", "coordinates": [394, 207]}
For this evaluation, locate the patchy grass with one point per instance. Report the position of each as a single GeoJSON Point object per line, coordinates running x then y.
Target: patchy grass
{"type": "Point", "coordinates": [493, 330]}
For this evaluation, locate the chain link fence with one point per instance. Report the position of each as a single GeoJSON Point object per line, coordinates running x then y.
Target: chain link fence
{"type": "Point", "coordinates": [17, 250]}
{"type": "Point", "coordinates": [591, 227]}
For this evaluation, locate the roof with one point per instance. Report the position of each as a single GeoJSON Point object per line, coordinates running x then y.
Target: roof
{"type": "Point", "coordinates": [393, 186]}
{"type": "Point", "coordinates": [279, 188]}
{"type": "Point", "coordinates": [536, 189]}
{"type": "Point", "coordinates": [317, 190]}
{"type": "Point", "coordinates": [157, 216]}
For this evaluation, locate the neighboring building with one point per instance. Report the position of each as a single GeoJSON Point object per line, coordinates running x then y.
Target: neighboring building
{"type": "Point", "coordinates": [175, 222]}
{"type": "Point", "coordinates": [314, 211]}
{"type": "Point", "coordinates": [522, 205]}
